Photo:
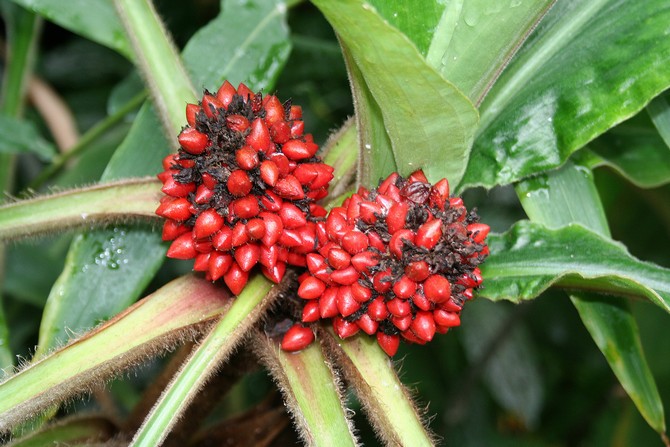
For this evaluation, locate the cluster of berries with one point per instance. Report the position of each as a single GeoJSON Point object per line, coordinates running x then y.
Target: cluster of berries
{"type": "Point", "coordinates": [397, 261]}
{"type": "Point", "coordinates": [242, 189]}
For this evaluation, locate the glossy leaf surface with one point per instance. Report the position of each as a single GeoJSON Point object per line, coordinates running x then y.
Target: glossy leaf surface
{"type": "Point", "coordinates": [529, 258]}
{"type": "Point", "coordinates": [584, 69]}
{"type": "Point", "coordinates": [420, 138]}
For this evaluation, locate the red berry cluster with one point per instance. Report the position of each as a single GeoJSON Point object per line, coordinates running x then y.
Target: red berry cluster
{"type": "Point", "coordinates": [243, 187]}
{"type": "Point", "coordinates": [397, 261]}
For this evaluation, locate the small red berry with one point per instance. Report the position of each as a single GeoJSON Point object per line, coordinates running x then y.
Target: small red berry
{"type": "Point", "coordinates": [297, 338]}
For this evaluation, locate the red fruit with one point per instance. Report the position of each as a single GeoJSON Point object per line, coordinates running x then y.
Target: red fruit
{"type": "Point", "coordinates": [269, 172]}
{"type": "Point", "coordinates": [383, 281]}
{"type": "Point", "coordinates": [354, 241]}
{"type": "Point", "coordinates": [225, 93]}
{"type": "Point", "coordinates": [237, 123]}
{"type": "Point", "coordinates": [404, 287]}
{"type": "Point", "coordinates": [291, 216]}
{"type": "Point", "coordinates": [273, 228]}
{"type": "Point", "coordinates": [311, 288]}
{"type": "Point", "coordinates": [369, 212]}
{"type": "Point", "coordinates": [289, 188]}
{"type": "Point", "coordinates": [336, 225]}
{"type": "Point", "coordinates": [271, 201]}
{"type": "Point", "coordinates": [247, 256]}
{"type": "Point", "coordinates": [479, 231]}
{"type": "Point", "coordinates": [297, 338]}
{"type": "Point", "coordinates": [191, 112]}
{"type": "Point", "coordinates": [193, 141]}
{"type": "Point", "coordinates": [256, 228]}
{"type": "Point", "coordinates": [343, 328]}
{"type": "Point", "coordinates": [240, 235]}
{"type": "Point", "coordinates": [211, 106]}
{"type": "Point", "coordinates": [245, 208]}
{"type": "Point", "coordinates": [218, 265]}
{"type": "Point", "coordinates": [280, 132]}
{"type": "Point", "coordinates": [417, 270]}
{"type": "Point", "coordinates": [173, 229]}
{"type": "Point", "coordinates": [201, 262]}
{"type": "Point", "coordinates": [361, 293]}
{"type": "Point", "coordinates": [437, 288]}
{"type": "Point", "coordinates": [207, 223]}
{"type": "Point", "coordinates": [298, 150]}
{"type": "Point", "coordinates": [346, 276]}
{"type": "Point", "coordinates": [446, 319]}
{"type": "Point", "coordinates": [399, 240]}
{"type": "Point", "coordinates": [363, 261]}
{"type": "Point", "coordinates": [178, 209]}
{"type": "Point", "coordinates": [223, 239]}
{"type": "Point", "coordinates": [245, 93]}
{"type": "Point", "coordinates": [276, 273]}
{"type": "Point", "coordinates": [328, 303]}
{"type": "Point", "coordinates": [236, 278]}
{"type": "Point", "coordinates": [174, 188]}
{"type": "Point", "coordinates": [398, 307]}
{"type": "Point", "coordinates": [339, 259]}
{"type": "Point", "coordinates": [203, 194]}
{"type": "Point", "coordinates": [423, 325]}
{"type": "Point", "coordinates": [259, 137]}
{"type": "Point", "coordinates": [402, 323]}
{"type": "Point", "coordinates": [421, 302]}
{"type": "Point", "coordinates": [389, 343]}
{"type": "Point", "coordinates": [269, 256]}
{"type": "Point", "coordinates": [246, 157]}
{"type": "Point", "coordinates": [367, 324]}
{"type": "Point", "coordinates": [429, 234]}
{"type": "Point", "coordinates": [396, 217]}
{"type": "Point", "coordinates": [239, 184]}
{"type": "Point", "coordinates": [310, 312]}
{"type": "Point", "coordinates": [346, 303]}
{"type": "Point", "coordinates": [377, 309]}
{"type": "Point", "coordinates": [182, 248]}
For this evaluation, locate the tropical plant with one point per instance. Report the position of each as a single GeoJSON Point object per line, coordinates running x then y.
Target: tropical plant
{"type": "Point", "coordinates": [519, 104]}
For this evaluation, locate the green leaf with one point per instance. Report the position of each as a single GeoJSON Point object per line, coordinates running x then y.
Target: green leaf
{"type": "Point", "coordinates": [430, 123]}
{"type": "Point", "coordinates": [100, 203]}
{"type": "Point", "coordinates": [376, 158]}
{"type": "Point", "coordinates": [530, 257]}
{"type": "Point", "coordinates": [569, 195]}
{"type": "Point", "coordinates": [139, 155]}
{"type": "Point", "coordinates": [615, 331]}
{"type": "Point", "coordinates": [659, 111]}
{"type": "Point", "coordinates": [386, 401]}
{"type": "Point", "coordinates": [474, 40]}
{"type": "Point", "coordinates": [494, 338]}
{"type": "Point", "coordinates": [94, 19]}
{"type": "Point", "coordinates": [247, 43]}
{"type": "Point", "coordinates": [233, 327]}
{"type": "Point", "coordinates": [550, 101]}
{"type": "Point", "coordinates": [152, 325]}
{"type": "Point", "coordinates": [311, 391]}
{"type": "Point", "coordinates": [635, 150]}
{"type": "Point", "coordinates": [416, 21]}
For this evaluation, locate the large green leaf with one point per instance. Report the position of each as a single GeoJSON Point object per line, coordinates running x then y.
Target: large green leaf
{"type": "Point", "coordinates": [569, 195]}
{"type": "Point", "coordinates": [140, 154]}
{"type": "Point", "coordinates": [430, 123]}
{"type": "Point", "coordinates": [635, 150]}
{"type": "Point", "coordinates": [94, 19]}
{"type": "Point", "coordinates": [585, 68]}
{"type": "Point", "coordinates": [530, 257]}
{"type": "Point", "coordinates": [659, 111]}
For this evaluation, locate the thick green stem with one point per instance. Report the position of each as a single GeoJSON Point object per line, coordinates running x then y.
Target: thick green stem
{"type": "Point", "coordinates": [104, 203]}
{"type": "Point", "coordinates": [159, 62]}
{"type": "Point", "coordinates": [230, 330]}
